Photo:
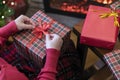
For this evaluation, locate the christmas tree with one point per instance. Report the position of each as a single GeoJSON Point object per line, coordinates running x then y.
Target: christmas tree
{"type": "Point", "coordinates": [5, 12]}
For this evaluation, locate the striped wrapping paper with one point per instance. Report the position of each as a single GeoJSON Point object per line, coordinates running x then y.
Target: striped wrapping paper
{"type": "Point", "coordinates": [36, 51]}
{"type": "Point", "coordinates": [113, 61]}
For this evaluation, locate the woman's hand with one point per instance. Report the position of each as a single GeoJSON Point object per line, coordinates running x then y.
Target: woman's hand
{"type": "Point", "coordinates": [23, 22]}
{"type": "Point", "coordinates": [53, 41]}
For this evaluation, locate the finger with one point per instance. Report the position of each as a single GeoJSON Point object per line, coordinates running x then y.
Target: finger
{"type": "Point", "coordinates": [29, 20]}
{"type": "Point", "coordinates": [27, 26]}
{"type": "Point", "coordinates": [47, 37]}
{"type": "Point", "coordinates": [52, 36]}
{"type": "Point", "coordinates": [55, 36]}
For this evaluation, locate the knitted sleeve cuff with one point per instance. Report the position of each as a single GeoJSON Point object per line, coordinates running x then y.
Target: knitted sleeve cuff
{"type": "Point", "coordinates": [8, 29]}
{"type": "Point", "coordinates": [52, 58]}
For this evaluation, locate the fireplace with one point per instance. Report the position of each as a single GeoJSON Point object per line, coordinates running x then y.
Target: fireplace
{"type": "Point", "coordinates": [76, 8]}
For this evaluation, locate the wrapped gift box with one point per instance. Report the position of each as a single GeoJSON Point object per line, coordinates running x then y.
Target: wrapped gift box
{"type": "Point", "coordinates": [115, 5]}
{"type": "Point", "coordinates": [36, 50]}
{"type": "Point", "coordinates": [113, 61]}
{"type": "Point", "coordinates": [97, 31]}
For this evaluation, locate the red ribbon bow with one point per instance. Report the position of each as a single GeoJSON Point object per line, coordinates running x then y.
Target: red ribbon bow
{"type": "Point", "coordinates": [40, 30]}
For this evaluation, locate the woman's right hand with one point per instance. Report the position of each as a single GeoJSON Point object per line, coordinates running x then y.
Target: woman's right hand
{"type": "Point", "coordinates": [53, 41]}
{"type": "Point", "coordinates": [24, 22]}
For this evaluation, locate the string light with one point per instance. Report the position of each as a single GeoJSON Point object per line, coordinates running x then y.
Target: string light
{"type": "Point", "coordinates": [12, 3]}
{"type": "Point", "coordinates": [2, 17]}
{"type": "Point", "coordinates": [4, 2]}
{"type": "Point", "coordinates": [9, 10]}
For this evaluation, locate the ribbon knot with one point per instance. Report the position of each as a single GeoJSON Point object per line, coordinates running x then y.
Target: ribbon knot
{"type": "Point", "coordinates": [114, 14]}
{"type": "Point", "coordinates": [39, 30]}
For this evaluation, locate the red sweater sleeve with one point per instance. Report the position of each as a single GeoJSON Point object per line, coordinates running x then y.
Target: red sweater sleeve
{"type": "Point", "coordinates": [6, 31]}
{"type": "Point", "coordinates": [48, 72]}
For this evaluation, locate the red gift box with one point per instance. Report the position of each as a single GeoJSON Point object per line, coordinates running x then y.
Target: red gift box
{"type": "Point", "coordinates": [97, 31]}
{"type": "Point", "coordinates": [36, 50]}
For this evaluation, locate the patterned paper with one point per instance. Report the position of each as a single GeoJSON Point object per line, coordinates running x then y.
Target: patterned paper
{"type": "Point", "coordinates": [115, 5]}
{"type": "Point", "coordinates": [113, 61]}
{"type": "Point", "coordinates": [36, 51]}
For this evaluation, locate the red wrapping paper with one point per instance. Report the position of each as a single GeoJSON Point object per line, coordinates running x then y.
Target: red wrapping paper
{"type": "Point", "coordinates": [99, 32]}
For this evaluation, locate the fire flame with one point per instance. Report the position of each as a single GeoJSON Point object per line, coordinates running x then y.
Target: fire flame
{"type": "Point", "coordinates": [105, 1]}
{"type": "Point", "coordinates": [80, 7]}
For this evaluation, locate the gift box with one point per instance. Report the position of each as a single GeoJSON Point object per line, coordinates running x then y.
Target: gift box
{"type": "Point", "coordinates": [98, 30]}
{"type": "Point", "coordinates": [113, 61]}
{"type": "Point", "coordinates": [115, 5]}
{"type": "Point", "coordinates": [32, 46]}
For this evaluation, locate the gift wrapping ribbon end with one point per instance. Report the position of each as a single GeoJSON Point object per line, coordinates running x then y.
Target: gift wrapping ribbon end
{"type": "Point", "coordinates": [112, 13]}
